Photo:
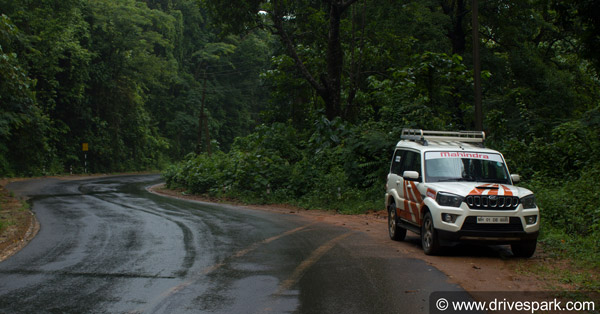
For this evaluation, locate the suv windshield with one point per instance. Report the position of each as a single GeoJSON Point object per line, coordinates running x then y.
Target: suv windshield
{"type": "Point", "coordinates": [465, 166]}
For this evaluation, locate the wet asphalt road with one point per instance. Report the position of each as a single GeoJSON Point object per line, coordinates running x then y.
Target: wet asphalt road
{"type": "Point", "coordinates": [108, 245]}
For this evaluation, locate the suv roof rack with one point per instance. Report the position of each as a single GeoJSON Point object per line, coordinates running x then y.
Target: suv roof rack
{"type": "Point", "coordinates": [423, 136]}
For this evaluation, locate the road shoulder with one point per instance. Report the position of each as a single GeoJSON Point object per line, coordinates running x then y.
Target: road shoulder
{"type": "Point", "coordinates": [18, 224]}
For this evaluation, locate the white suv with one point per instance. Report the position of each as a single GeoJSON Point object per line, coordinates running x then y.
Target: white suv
{"type": "Point", "coordinates": [448, 188]}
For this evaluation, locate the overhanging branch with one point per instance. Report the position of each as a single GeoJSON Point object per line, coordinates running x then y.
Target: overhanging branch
{"type": "Point", "coordinates": [278, 24]}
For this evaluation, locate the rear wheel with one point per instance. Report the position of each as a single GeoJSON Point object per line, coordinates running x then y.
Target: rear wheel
{"type": "Point", "coordinates": [524, 249]}
{"type": "Point", "coordinates": [396, 232]}
{"type": "Point", "coordinates": [429, 237]}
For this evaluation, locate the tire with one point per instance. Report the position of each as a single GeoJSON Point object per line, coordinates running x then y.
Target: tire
{"type": "Point", "coordinates": [429, 237]}
{"type": "Point", "coordinates": [396, 232]}
{"type": "Point", "coordinates": [524, 249]}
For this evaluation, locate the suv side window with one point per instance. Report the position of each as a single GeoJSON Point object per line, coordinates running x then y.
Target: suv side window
{"type": "Point", "coordinates": [397, 162]}
{"type": "Point", "coordinates": [411, 162]}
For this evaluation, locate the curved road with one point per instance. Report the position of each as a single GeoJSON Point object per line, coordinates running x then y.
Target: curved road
{"type": "Point", "coordinates": [108, 245]}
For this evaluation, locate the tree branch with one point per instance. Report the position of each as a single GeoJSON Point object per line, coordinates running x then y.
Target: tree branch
{"type": "Point", "coordinates": [278, 24]}
{"type": "Point", "coordinates": [346, 4]}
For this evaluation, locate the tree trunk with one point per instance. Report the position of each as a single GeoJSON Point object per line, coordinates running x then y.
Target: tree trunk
{"type": "Point", "coordinates": [456, 10]}
{"type": "Point", "coordinates": [330, 87]}
{"type": "Point", "coordinates": [202, 119]}
{"type": "Point", "coordinates": [335, 59]}
{"type": "Point", "coordinates": [477, 68]}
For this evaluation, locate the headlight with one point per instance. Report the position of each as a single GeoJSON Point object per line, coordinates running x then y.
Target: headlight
{"type": "Point", "coordinates": [528, 201]}
{"type": "Point", "coordinates": [447, 199]}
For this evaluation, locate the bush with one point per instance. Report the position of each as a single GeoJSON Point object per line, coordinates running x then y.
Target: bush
{"type": "Point", "coordinates": [571, 205]}
{"type": "Point", "coordinates": [333, 167]}
{"type": "Point", "coordinates": [563, 171]}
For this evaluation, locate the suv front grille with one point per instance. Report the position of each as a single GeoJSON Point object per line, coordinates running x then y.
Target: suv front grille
{"type": "Point", "coordinates": [492, 202]}
{"type": "Point", "coordinates": [471, 224]}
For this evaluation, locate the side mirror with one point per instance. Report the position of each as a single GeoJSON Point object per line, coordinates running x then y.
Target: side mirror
{"type": "Point", "coordinates": [515, 178]}
{"type": "Point", "coordinates": [410, 175]}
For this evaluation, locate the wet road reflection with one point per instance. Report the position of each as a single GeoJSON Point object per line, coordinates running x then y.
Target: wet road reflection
{"type": "Point", "coordinates": [108, 245]}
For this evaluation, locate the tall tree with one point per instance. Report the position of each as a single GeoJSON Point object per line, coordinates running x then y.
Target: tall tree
{"type": "Point", "coordinates": [284, 16]}
{"type": "Point", "coordinates": [581, 18]}
{"type": "Point", "coordinates": [50, 51]}
{"type": "Point", "coordinates": [457, 11]}
{"type": "Point", "coordinates": [23, 144]}
{"type": "Point", "coordinates": [133, 59]}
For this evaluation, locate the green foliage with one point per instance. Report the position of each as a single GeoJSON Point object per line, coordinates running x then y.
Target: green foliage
{"type": "Point", "coordinates": [278, 164]}
{"type": "Point", "coordinates": [582, 249]}
{"type": "Point", "coordinates": [252, 167]}
{"type": "Point", "coordinates": [22, 149]}
{"type": "Point", "coordinates": [127, 77]}
{"type": "Point", "coordinates": [563, 172]}
{"type": "Point", "coordinates": [424, 94]}
{"type": "Point", "coordinates": [573, 148]}
{"type": "Point", "coordinates": [572, 205]}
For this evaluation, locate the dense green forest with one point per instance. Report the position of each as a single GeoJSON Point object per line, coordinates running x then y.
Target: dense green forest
{"type": "Point", "coordinates": [127, 77]}
{"type": "Point", "coordinates": [303, 101]}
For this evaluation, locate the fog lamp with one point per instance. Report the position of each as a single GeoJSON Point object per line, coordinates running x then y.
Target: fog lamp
{"type": "Point", "coordinates": [531, 220]}
{"type": "Point", "coordinates": [449, 218]}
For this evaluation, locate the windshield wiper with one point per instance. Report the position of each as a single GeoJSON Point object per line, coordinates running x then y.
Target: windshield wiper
{"type": "Point", "coordinates": [493, 180]}
{"type": "Point", "coordinates": [453, 180]}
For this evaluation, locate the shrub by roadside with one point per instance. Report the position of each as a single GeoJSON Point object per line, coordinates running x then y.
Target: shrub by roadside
{"type": "Point", "coordinates": [571, 225]}
{"type": "Point", "coordinates": [332, 168]}
{"type": "Point", "coordinates": [16, 223]}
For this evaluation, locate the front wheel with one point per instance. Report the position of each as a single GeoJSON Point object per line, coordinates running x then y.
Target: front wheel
{"type": "Point", "coordinates": [429, 237]}
{"type": "Point", "coordinates": [524, 249]}
{"type": "Point", "coordinates": [396, 232]}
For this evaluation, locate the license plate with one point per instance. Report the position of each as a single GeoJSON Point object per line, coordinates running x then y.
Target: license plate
{"type": "Point", "coordinates": [492, 220]}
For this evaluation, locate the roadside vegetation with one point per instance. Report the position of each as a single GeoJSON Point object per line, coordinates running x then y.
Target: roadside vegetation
{"type": "Point", "coordinates": [15, 219]}
{"type": "Point", "coordinates": [302, 101]}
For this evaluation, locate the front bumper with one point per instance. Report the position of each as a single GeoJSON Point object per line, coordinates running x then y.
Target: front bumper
{"type": "Point", "coordinates": [466, 222]}
{"type": "Point", "coordinates": [485, 236]}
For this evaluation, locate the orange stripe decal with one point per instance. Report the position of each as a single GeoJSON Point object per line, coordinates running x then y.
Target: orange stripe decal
{"type": "Point", "coordinates": [507, 190]}
{"type": "Point", "coordinates": [417, 196]}
{"type": "Point", "coordinates": [494, 190]}
{"type": "Point", "coordinates": [476, 191]}
{"type": "Point", "coordinates": [420, 211]}
{"type": "Point", "coordinates": [491, 189]}
{"type": "Point", "coordinates": [431, 193]}
{"type": "Point", "coordinates": [414, 211]}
